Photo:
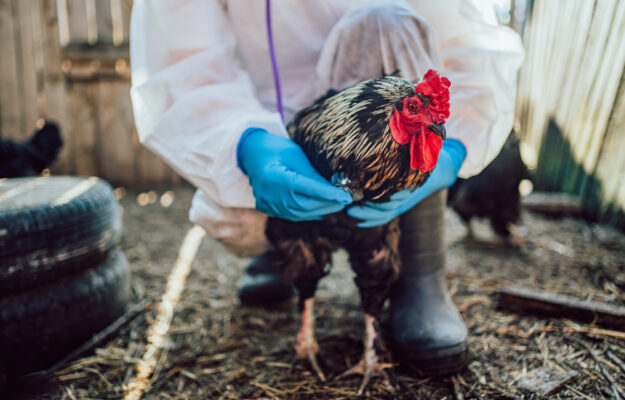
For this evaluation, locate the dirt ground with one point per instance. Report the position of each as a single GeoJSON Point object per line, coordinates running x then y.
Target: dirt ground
{"type": "Point", "coordinates": [219, 350]}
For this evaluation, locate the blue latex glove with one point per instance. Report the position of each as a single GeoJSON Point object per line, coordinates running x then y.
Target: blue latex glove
{"type": "Point", "coordinates": [285, 184]}
{"type": "Point", "coordinates": [451, 157]}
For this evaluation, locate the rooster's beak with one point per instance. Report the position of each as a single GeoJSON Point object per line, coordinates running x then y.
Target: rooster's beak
{"type": "Point", "coordinates": [439, 130]}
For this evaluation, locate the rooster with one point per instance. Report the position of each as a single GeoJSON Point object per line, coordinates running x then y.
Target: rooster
{"type": "Point", "coordinates": [31, 157]}
{"type": "Point", "coordinates": [374, 139]}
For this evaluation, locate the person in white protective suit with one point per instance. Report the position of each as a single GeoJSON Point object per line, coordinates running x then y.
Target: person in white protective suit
{"type": "Point", "coordinates": [202, 76]}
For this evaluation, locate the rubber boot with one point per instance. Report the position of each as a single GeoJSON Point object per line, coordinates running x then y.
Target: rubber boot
{"type": "Point", "coordinates": [428, 334]}
{"type": "Point", "coordinates": [263, 284]}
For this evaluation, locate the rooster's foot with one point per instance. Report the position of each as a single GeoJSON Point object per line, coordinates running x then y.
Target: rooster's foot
{"type": "Point", "coordinates": [307, 347]}
{"type": "Point", "coordinates": [368, 369]}
{"type": "Point", "coordinates": [369, 366]}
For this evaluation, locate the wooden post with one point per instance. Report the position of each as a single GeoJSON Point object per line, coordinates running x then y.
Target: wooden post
{"type": "Point", "coordinates": [10, 65]}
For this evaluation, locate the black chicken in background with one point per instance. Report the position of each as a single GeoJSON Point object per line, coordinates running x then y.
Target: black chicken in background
{"type": "Point", "coordinates": [33, 156]}
{"type": "Point", "coordinates": [493, 193]}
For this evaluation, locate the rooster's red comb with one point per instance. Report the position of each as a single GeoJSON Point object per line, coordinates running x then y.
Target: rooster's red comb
{"type": "Point", "coordinates": [436, 88]}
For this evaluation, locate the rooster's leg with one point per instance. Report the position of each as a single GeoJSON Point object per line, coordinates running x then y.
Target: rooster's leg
{"type": "Point", "coordinates": [374, 255]}
{"type": "Point", "coordinates": [369, 365]}
{"type": "Point", "coordinates": [307, 347]}
{"type": "Point", "coordinates": [304, 252]}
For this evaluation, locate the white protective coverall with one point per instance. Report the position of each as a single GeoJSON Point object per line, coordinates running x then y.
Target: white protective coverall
{"type": "Point", "coordinates": [201, 75]}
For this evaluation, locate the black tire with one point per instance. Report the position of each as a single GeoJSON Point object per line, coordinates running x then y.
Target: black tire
{"type": "Point", "coordinates": [40, 326]}
{"type": "Point", "coordinates": [41, 240]}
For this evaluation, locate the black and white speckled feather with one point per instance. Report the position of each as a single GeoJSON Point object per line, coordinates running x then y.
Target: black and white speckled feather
{"type": "Point", "coordinates": [348, 132]}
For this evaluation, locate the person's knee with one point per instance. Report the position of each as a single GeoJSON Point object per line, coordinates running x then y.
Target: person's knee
{"type": "Point", "coordinates": [387, 13]}
{"type": "Point", "coordinates": [383, 14]}
{"type": "Point", "coordinates": [374, 38]}
{"type": "Point", "coordinates": [390, 19]}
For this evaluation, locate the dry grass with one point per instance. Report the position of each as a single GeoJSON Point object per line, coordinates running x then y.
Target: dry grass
{"type": "Point", "coordinates": [219, 350]}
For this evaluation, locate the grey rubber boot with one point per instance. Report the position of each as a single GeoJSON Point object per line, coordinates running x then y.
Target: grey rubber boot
{"type": "Point", "coordinates": [428, 333]}
{"type": "Point", "coordinates": [262, 284]}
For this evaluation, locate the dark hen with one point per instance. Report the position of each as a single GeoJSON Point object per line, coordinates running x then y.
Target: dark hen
{"type": "Point", "coordinates": [31, 157]}
{"type": "Point", "coordinates": [494, 193]}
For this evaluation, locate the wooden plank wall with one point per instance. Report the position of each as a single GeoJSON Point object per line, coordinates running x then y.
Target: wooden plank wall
{"type": "Point", "coordinates": [571, 101]}
{"type": "Point", "coordinates": [67, 60]}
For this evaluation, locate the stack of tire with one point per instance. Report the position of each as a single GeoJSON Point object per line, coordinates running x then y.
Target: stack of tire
{"type": "Point", "coordinates": [61, 277]}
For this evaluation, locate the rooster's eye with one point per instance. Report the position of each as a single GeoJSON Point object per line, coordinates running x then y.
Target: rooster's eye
{"type": "Point", "coordinates": [412, 107]}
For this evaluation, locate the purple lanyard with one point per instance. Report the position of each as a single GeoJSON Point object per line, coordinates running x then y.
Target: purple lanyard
{"type": "Point", "coordinates": [274, 63]}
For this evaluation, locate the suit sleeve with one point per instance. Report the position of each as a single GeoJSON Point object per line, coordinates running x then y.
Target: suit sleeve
{"type": "Point", "coordinates": [482, 61]}
{"type": "Point", "coordinates": [191, 99]}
